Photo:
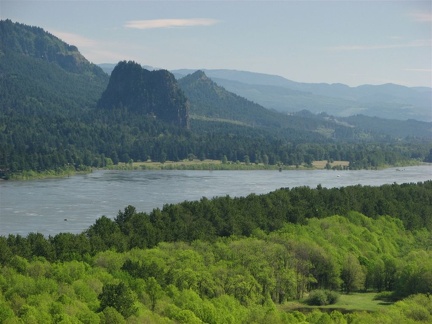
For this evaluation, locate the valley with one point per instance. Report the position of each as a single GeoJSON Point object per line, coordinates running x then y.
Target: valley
{"type": "Point", "coordinates": [242, 197]}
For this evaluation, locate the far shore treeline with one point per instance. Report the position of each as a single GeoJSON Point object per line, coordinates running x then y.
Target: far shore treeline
{"type": "Point", "coordinates": [60, 113]}
{"type": "Point", "coordinates": [248, 258]}
{"type": "Point", "coordinates": [356, 254]}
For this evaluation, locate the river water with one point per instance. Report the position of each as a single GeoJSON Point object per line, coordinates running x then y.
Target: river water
{"type": "Point", "coordinates": [73, 204]}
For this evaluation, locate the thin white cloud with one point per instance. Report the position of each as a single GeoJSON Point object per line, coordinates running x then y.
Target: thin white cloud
{"type": "Point", "coordinates": [415, 43]}
{"type": "Point", "coordinates": [422, 16]}
{"type": "Point", "coordinates": [169, 23]}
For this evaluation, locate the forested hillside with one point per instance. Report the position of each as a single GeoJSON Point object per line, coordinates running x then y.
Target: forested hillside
{"type": "Point", "coordinates": [50, 118]}
{"type": "Point", "coordinates": [275, 92]}
{"type": "Point", "coordinates": [236, 260]}
{"type": "Point", "coordinates": [153, 93]}
{"type": "Point", "coordinates": [210, 101]}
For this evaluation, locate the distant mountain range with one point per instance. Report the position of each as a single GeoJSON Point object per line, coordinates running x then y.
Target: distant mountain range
{"type": "Point", "coordinates": [210, 101]}
{"type": "Point", "coordinates": [388, 101]}
{"type": "Point", "coordinates": [274, 92]}
{"type": "Point", "coordinates": [57, 109]}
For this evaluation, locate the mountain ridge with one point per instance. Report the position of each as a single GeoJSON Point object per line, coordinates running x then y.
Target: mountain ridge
{"type": "Point", "coordinates": [50, 120]}
{"type": "Point", "coordinates": [385, 100]}
{"type": "Point", "coordinates": [154, 93]}
{"type": "Point", "coordinates": [210, 100]}
{"type": "Point", "coordinates": [284, 95]}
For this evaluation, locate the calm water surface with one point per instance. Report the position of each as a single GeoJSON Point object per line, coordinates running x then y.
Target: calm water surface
{"type": "Point", "coordinates": [73, 204]}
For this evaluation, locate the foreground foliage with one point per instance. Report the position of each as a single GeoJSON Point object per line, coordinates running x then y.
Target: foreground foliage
{"type": "Point", "coordinates": [232, 280]}
{"type": "Point", "coordinates": [175, 265]}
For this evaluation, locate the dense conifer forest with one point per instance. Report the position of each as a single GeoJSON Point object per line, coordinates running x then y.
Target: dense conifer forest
{"type": "Point", "coordinates": [233, 260]}
{"type": "Point", "coordinates": [60, 112]}
{"type": "Point", "coordinates": [295, 255]}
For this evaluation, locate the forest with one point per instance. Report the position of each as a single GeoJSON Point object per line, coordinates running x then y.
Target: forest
{"type": "Point", "coordinates": [289, 256]}
{"type": "Point", "coordinates": [61, 113]}
{"type": "Point", "coordinates": [295, 255]}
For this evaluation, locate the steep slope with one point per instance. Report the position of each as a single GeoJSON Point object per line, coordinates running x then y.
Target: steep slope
{"type": "Point", "coordinates": [37, 43]}
{"type": "Point", "coordinates": [210, 101]}
{"type": "Point", "coordinates": [47, 89]}
{"type": "Point", "coordinates": [390, 127]}
{"type": "Point", "coordinates": [49, 118]}
{"type": "Point", "coordinates": [275, 92]}
{"type": "Point", "coordinates": [146, 92]}
{"type": "Point", "coordinates": [40, 71]}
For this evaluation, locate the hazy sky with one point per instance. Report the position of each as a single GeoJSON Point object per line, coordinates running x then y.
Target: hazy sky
{"type": "Point", "coordinates": [351, 42]}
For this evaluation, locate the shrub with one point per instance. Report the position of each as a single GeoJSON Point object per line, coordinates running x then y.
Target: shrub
{"type": "Point", "coordinates": [322, 297]}
{"type": "Point", "coordinates": [333, 297]}
{"type": "Point", "coordinates": [385, 296]}
{"type": "Point", "coordinates": [317, 298]}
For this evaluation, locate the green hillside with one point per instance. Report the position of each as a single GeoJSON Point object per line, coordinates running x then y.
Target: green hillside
{"type": "Point", "coordinates": [59, 112]}
{"type": "Point", "coordinates": [275, 92]}
{"type": "Point", "coordinates": [40, 69]}
{"type": "Point", "coordinates": [153, 93]}
{"type": "Point", "coordinates": [282, 257]}
{"type": "Point", "coordinates": [213, 102]}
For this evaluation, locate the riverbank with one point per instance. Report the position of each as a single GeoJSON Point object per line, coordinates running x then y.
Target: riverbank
{"type": "Point", "coordinates": [219, 165]}
{"type": "Point", "coordinates": [196, 165]}
{"type": "Point", "coordinates": [47, 174]}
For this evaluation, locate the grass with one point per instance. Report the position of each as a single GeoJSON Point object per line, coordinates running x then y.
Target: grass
{"type": "Point", "coordinates": [346, 303]}
{"type": "Point", "coordinates": [196, 164]}
{"type": "Point", "coordinates": [322, 164]}
{"type": "Point", "coordinates": [186, 164]}
{"type": "Point", "coordinates": [360, 301]}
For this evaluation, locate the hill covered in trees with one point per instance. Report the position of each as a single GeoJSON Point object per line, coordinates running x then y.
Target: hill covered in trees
{"type": "Point", "coordinates": [153, 93]}
{"type": "Point", "coordinates": [275, 92]}
{"type": "Point", "coordinates": [210, 101]}
{"type": "Point", "coordinates": [60, 112]}
{"type": "Point", "coordinates": [237, 260]}
{"type": "Point", "coordinates": [41, 73]}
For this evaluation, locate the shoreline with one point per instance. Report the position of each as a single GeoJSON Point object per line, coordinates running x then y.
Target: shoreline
{"type": "Point", "coordinates": [210, 165]}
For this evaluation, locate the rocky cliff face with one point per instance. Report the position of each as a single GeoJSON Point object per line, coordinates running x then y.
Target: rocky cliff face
{"type": "Point", "coordinates": [153, 93]}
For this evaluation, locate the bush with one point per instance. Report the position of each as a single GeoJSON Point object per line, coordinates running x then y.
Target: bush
{"type": "Point", "coordinates": [317, 298]}
{"type": "Point", "coordinates": [332, 297]}
{"type": "Point", "coordinates": [322, 298]}
{"type": "Point", "coordinates": [386, 296]}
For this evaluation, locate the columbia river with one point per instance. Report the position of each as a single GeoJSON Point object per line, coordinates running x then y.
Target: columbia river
{"type": "Point", "coordinates": [73, 204]}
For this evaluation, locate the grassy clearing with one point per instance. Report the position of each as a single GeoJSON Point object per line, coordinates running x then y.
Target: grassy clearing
{"type": "Point", "coordinates": [360, 301]}
{"type": "Point", "coordinates": [322, 164]}
{"type": "Point", "coordinates": [346, 303]}
{"type": "Point", "coordinates": [197, 165]}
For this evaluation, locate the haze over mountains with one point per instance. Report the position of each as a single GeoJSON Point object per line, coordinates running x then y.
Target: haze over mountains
{"type": "Point", "coordinates": [209, 100]}
{"type": "Point", "coordinates": [58, 109]}
{"type": "Point", "coordinates": [388, 101]}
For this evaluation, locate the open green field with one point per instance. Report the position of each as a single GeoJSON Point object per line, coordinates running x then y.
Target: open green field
{"type": "Point", "coordinates": [196, 164]}
{"type": "Point", "coordinates": [322, 164]}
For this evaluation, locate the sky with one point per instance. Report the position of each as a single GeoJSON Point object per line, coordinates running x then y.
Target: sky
{"type": "Point", "coordinates": [349, 42]}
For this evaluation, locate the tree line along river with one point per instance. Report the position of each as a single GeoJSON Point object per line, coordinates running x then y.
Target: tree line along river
{"type": "Point", "coordinates": [72, 204]}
